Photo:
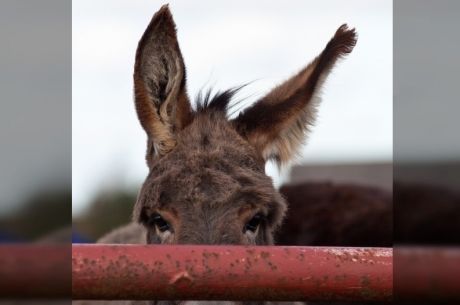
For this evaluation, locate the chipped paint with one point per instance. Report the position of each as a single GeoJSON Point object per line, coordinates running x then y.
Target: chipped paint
{"type": "Point", "coordinates": [231, 273]}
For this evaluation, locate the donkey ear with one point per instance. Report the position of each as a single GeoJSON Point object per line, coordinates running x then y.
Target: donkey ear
{"type": "Point", "coordinates": [277, 124]}
{"type": "Point", "coordinates": [161, 99]}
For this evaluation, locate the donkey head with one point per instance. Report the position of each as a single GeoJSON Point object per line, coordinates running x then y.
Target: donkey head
{"type": "Point", "coordinates": [207, 181]}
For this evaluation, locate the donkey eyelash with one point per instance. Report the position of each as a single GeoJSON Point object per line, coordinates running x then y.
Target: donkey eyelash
{"type": "Point", "coordinates": [156, 220]}
{"type": "Point", "coordinates": [254, 223]}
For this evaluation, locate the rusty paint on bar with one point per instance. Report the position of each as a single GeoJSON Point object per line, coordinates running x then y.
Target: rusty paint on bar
{"type": "Point", "coordinates": [136, 272]}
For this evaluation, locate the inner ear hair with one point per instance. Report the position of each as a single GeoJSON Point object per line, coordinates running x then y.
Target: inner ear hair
{"type": "Point", "coordinates": [277, 125]}
{"type": "Point", "coordinates": [162, 103]}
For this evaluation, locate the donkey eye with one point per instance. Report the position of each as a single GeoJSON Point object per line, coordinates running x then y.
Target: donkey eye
{"type": "Point", "coordinates": [158, 221]}
{"type": "Point", "coordinates": [254, 223]}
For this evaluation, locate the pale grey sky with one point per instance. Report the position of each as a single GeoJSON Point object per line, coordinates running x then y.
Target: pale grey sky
{"type": "Point", "coordinates": [226, 44]}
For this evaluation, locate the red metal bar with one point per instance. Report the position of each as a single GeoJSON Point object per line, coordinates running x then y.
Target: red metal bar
{"type": "Point", "coordinates": [135, 272]}
{"type": "Point", "coordinates": [35, 271]}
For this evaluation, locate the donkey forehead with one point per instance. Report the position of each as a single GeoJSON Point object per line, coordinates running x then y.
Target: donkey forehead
{"type": "Point", "coordinates": [210, 188]}
{"type": "Point", "coordinates": [207, 178]}
{"type": "Point", "coordinates": [198, 172]}
{"type": "Point", "coordinates": [211, 143]}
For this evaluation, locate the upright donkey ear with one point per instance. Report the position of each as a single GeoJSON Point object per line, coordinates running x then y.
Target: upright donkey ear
{"type": "Point", "coordinates": [161, 99]}
{"type": "Point", "coordinates": [277, 124]}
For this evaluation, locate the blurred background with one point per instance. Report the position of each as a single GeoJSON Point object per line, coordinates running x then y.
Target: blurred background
{"type": "Point", "coordinates": [226, 44]}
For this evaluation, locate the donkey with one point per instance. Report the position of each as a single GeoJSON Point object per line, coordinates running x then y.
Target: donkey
{"type": "Point", "coordinates": [207, 181]}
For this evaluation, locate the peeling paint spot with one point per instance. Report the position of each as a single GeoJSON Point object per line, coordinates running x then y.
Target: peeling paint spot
{"type": "Point", "coordinates": [181, 278]}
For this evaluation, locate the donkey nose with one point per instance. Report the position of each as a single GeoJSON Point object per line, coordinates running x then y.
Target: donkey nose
{"type": "Point", "coordinates": [209, 303]}
{"type": "Point", "coordinates": [220, 239]}
{"type": "Point", "coordinates": [202, 232]}
{"type": "Point", "coordinates": [210, 240]}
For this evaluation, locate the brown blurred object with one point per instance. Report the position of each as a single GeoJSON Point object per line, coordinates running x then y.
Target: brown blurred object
{"type": "Point", "coordinates": [339, 205]}
{"type": "Point", "coordinates": [327, 214]}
